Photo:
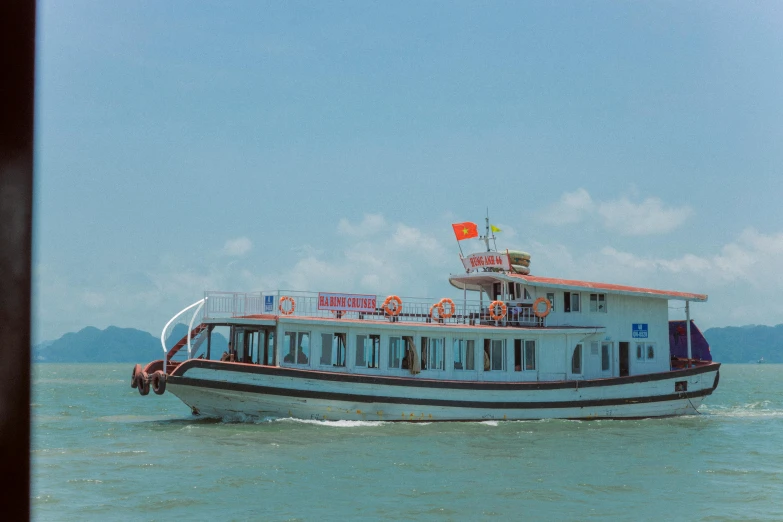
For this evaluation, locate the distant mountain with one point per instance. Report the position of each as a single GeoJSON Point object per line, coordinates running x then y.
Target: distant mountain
{"type": "Point", "coordinates": [743, 344]}
{"type": "Point", "coordinates": [113, 345]}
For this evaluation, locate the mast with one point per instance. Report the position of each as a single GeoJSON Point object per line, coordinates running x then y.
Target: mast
{"type": "Point", "coordinates": [486, 237]}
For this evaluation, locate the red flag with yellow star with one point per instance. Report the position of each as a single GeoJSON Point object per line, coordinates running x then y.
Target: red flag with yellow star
{"type": "Point", "coordinates": [465, 230]}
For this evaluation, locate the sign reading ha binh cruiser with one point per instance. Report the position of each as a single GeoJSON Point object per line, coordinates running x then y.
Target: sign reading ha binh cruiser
{"type": "Point", "coordinates": [346, 302]}
{"type": "Point", "coordinates": [486, 260]}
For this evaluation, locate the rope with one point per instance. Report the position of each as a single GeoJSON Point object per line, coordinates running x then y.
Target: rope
{"type": "Point", "coordinates": [694, 407]}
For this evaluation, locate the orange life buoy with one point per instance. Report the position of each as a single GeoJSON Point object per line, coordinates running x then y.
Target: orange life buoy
{"type": "Point", "coordinates": [494, 314]}
{"type": "Point", "coordinates": [539, 313]}
{"type": "Point", "coordinates": [290, 300]}
{"type": "Point", "coordinates": [392, 306]}
{"type": "Point", "coordinates": [434, 307]}
{"type": "Point", "coordinates": [441, 309]}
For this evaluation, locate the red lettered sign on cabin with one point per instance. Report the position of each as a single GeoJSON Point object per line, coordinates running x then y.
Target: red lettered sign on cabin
{"type": "Point", "coordinates": [346, 302]}
{"type": "Point", "coordinates": [486, 260]}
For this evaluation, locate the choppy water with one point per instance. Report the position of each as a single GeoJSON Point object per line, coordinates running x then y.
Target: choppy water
{"type": "Point", "coordinates": [102, 452]}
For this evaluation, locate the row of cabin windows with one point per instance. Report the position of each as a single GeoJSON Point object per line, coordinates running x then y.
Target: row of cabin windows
{"type": "Point", "coordinates": [432, 351]}
{"type": "Point", "coordinates": [644, 352]}
{"type": "Point", "coordinates": [571, 300]}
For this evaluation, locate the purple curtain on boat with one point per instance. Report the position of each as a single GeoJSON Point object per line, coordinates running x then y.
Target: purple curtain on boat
{"type": "Point", "coordinates": [678, 341]}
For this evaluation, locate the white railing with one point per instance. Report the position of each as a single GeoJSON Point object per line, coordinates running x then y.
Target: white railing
{"type": "Point", "coordinates": [414, 309]}
{"type": "Point", "coordinates": [167, 329]}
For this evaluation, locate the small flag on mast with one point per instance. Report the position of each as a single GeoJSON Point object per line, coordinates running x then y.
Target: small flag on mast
{"type": "Point", "coordinates": [465, 230]}
{"type": "Point", "coordinates": [494, 228]}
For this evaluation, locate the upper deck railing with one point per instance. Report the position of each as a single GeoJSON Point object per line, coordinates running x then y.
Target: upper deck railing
{"type": "Point", "coordinates": [414, 309]}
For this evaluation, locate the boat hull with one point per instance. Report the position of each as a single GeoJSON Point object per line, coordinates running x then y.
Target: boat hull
{"type": "Point", "coordinates": [230, 390]}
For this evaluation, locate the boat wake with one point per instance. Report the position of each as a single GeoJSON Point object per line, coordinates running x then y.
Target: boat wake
{"type": "Point", "coordinates": [760, 409]}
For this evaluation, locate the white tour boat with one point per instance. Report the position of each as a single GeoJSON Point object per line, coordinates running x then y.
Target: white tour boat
{"type": "Point", "coordinates": [511, 346]}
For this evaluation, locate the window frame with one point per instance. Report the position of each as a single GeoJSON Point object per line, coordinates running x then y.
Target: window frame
{"type": "Point", "coordinates": [296, 336]}
{"type": "Point", "coordinates": [577, 370]}
{"type": "Point", "coordinates": [460, 345]}
{"type": "Point", "coordinates": [550, 296]}
{"type": "Point", "coordinates": [597, 299]}
{"type": "Point", "coordinates": [431, 350]}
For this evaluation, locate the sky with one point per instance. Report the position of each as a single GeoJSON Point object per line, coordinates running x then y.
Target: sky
{"type": "Point", "coordinates": [189, 146]}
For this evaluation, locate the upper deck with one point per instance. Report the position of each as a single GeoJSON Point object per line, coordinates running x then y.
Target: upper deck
{"type": "Point", "coordinates": [417, 310]}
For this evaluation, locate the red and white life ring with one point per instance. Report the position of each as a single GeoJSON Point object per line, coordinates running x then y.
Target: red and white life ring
{"type": "Point", "coordinates": [497, 310]}
{"type": "Point", "coordinates": [547, 309]}
{"type": "Point", "coordinates": [392, 306]}
{"type": "Point", "coordinates": [287, 311]}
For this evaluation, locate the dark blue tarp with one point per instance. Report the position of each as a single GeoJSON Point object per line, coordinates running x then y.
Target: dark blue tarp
{"type": "Point", "coordinates": [678, 341]}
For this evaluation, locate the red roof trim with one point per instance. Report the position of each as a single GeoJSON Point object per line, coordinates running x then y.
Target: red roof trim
{"type": "Point", "coordinates": [610, 287]}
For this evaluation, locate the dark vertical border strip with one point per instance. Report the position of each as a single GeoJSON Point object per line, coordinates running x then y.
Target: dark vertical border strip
{"type": "Point", "coordinates": [17, 70]}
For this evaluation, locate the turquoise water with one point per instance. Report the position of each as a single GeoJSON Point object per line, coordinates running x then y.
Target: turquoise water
{"type": "Point", "coordinates": [102, 452]}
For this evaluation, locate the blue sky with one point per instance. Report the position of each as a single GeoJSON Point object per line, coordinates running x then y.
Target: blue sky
{"type": "Point", "coordinates": [183, 147]}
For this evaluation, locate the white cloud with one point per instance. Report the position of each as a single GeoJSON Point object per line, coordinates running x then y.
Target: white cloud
{"type": "Point", "coordinates": [639, 219]}
{"type": "Point", "coordinates": [743, 278]}
{"type": "Point", "coordinates": [370, 225]}
{"type": "Point", "coordinates": [623, 216]}
{"type": "Point", "coordinates": [237, 247]}
{"type": "Point", "coordinates": [573, 207]}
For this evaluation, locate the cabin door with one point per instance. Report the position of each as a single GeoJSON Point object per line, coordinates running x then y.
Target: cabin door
{"type": "Point", "coordinates": [624, 367]}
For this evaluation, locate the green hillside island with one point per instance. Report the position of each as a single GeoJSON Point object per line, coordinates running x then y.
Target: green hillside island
{"type": "Point", "coordinates": [731, 344]}
{"type": "Point", "coordinates": [91, 345]}
{"type": "Point", "coordinates": [746, 344]}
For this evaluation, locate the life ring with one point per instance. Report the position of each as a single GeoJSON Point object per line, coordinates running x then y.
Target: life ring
{"type": "Point", "coordinates": [158, 381]}
{"type": "Point", "coordinates": [493, 306]}
{"type": "Point", "coordinates": [441, 309]}
{"type": "Point", "coordinates": [437, 307]}
{"type": "Point", "coordinates": [290, 300]}
{"type": "Point", "coordinates": [143, 383]}
{"type": "Point", "coordinates": [136, 370]}
{"type": "Point", "coordinates": [392, 311]}
{"type": "Point", "coordinates": [539, 313]}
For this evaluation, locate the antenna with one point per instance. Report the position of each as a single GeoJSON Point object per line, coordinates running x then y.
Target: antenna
{"type": "Point", "coordinates": [486, 237]}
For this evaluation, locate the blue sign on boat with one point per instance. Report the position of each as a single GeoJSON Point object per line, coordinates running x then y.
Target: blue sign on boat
{"type": "Point", "coordinates": [269, 303]}
{"type": "Point", "coordinates": [640, 331]}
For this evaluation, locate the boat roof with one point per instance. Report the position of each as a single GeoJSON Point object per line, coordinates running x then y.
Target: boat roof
{"type": "Point", "coordinates": [475, 281]}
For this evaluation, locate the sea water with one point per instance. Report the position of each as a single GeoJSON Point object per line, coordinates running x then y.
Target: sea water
{"type": "Point", "coordinates": [102, 452]}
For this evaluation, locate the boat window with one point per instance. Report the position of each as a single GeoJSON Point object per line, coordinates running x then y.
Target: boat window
{"type": "Point", "coordinates": [396, 352]}
{"type": "Point", "coordinates": [494, 354]}
{"type": "Point", "coordinates": [530, 355]}
{"type": "Point", "coordinates": [575, 302]}
{"type": "Point", "coordinates": [332, 349]}
{"type": "Point", "coordinates": [464, 354]}
{"type": "Point", "coordinates": [432, 353]}
{"type": "Point", "coordinates": [527, 294]}
{"type": "Point", "coordinates": [551, 298]}
{"type": "Point", "coordinates": [598, 303]}
{"type": "Point", "coordinates": [512, 291]}
{"type": "Point", "coordinates": [297, 345]}
{"type": "Point", "coordinates": [576, 360]}
{"type": "Point", "coordinates": [570, 302]}
{"type": "Point", "coordinates": [518, 355]}
{"type": "Point", "coordinates": [606, 356]}
{"type": "Point", "coordinates": [645, 351]}
{"type": "Point", "coordinates": [368, 350]}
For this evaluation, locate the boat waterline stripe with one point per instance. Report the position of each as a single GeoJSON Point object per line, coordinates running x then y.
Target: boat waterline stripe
{"type": "Point", "coordinates": [351, 397]}
{"type": "Point", "coordinates": [423, 382]}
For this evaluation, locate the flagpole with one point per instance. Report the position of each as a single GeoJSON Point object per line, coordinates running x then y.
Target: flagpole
{"type": "Point", "coordinates": [460, 249]}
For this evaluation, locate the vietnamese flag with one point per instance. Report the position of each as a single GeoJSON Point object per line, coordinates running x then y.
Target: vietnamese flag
{"type": "Point", "coordinates": [465, 230]}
